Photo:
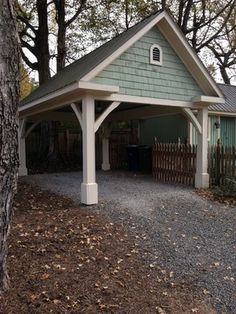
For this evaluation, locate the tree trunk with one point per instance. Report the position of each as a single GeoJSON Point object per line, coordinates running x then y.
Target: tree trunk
{"type": "Point", "coordinates": [61, 35]}
{"type": "Point", "coordinates": [224, 74]}
{"type": "Point", "coordinates": [9, 97]}
{"type": "Point", "coordinates": [41, 42]}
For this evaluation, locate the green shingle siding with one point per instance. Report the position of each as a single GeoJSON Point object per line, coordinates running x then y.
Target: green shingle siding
{"type": "Point", "coordinates": [135, 75]}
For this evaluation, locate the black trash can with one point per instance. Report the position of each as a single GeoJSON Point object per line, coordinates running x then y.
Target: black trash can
{"type": "Point", "coordinates": [145, 158]}
{"type": "Point", "coordinates": [133, 157]}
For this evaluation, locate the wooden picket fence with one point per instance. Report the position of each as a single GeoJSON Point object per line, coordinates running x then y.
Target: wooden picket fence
{"type": "Point", "coordinates": [177, 163]}
{"type": "Point", "coordinates": [221, 163]}
{"type": "Point", "coordinates": [174, 162]}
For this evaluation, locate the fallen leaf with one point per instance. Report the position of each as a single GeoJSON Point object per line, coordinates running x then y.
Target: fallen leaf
{"type": "Point", "coordinates": [45, 276]}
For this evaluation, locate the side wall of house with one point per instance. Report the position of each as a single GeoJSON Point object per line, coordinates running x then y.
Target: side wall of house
{"type": "Point", "coordinates": [226, 130]}
{"type": "Point", "coordinates": [135, 75]}
{"type": "Point", "coordinates": [165, 129]}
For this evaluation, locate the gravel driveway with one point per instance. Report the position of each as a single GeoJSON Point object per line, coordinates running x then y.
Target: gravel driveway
{"type": "Point", "coordinates": [192, 237]}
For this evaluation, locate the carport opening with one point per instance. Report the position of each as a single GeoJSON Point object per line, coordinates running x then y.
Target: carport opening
{"type": "Point", "coordinates": [130, 141]}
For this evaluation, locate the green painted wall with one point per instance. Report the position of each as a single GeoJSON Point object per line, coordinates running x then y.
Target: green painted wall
{"type": "Point", "coordinates": [135, 75]}
{"type": "Point", "coordinates": [228, 131]}
{"type": "Point", "coordinates": [170, 128]}
{"type": "Point", "coordinates": [212, 131]}
{"type": "Point", "coordinates": [166, 129]}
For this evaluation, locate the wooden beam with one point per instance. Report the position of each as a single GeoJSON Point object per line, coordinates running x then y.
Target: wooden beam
{"type": "Point", "coordinates": [141, 113]}
{"type": "Point", "coordinates": [78, 113]}
{"type": "Point", "coordinates": [55, 116]}
{"type": "Point", "coordinates": [189, 114]}
{"type": "Point", "coordinates": [147, 101]}
{"type": "Point", "coordinates": [22, 123]}
{"type": "Point", "coordinates": [30, 129]}
{"type": "Point", "coordinates": [105, 113]}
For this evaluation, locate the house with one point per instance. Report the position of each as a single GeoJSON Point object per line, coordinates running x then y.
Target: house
{"type": "Point", "coordinates": [148, 70]}
{"type": "Point", "coordinates": [222, 118]}
{"type": "Point", "coordinates": [221, 124]}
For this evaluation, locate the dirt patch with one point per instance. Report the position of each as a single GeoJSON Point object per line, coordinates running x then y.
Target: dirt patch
{"type": "Point", "coordinates": [64, 259]}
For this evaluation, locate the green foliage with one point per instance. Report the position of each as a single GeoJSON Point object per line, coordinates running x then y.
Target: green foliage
{"type": "Point", "coordinates": [26, 83]}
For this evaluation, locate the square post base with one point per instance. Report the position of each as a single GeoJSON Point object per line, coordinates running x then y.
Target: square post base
{"type": "Point", "coordinates": [22, 171]}
{"type": "Point", "coordinates": [89, 193]}
{"type": "Point", "coordinates": [202, 180]}
{"type": "Point", "coordinates": [106, 167]}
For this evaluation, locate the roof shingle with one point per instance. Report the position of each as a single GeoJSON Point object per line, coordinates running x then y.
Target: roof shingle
{"type": "Point", "coordinates": [229, 92]}
{"type": "Point", "coordinates": [76, 70]}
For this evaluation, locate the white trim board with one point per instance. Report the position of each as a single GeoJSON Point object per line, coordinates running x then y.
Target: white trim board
{"type": "Point", "coordinates": [207, 100]}
{"type": "Point", "coordinates": [219, 113]}
{"type": "Point", "coordinates": [146, 100]}
{"type": "Point", "coordinates": [60, 92]}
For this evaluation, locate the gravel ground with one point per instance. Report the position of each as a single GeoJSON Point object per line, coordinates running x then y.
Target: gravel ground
{"type": "Point", "coordinates": [179, 231]}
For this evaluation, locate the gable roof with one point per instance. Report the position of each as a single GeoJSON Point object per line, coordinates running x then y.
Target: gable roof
{"type": "Point", "coordinates": [229, 92]}
{"type": "Point", "coordinates": [76, 70]}
{"type": "Point", "coordinates": [86, 65]}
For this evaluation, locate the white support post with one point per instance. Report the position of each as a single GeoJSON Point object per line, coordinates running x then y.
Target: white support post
{"type": "Point", "coordinates": [21, 149]}
{"type": "Point", "coordinates": [89, 189]}
{"type": "Point", "coordinates": [202, 176]}
{"type": "Point", "coordinates": [106, 130]}
{"type": "Point", "coordinates": [190, 132]}
{"type": "Point", "coordinates": [105, 154]}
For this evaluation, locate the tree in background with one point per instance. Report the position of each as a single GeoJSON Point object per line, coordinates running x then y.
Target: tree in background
{"type": "Point", "coordinates": [26, 83]}
{"type": "Point", "coordinates": [9, 97]}
{"type": "Point", "coordinates": [224, 49]}
{"type": "Point", "coordinates": [67, 29]}
{"type": "Point", "coordinates": [209, 25]}
{"type": "Point", "coordinates": [43, 26]}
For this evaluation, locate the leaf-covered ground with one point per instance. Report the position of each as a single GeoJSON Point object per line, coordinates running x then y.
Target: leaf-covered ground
{"type": "Point", "coordinates": [65, 259]}
{"type": "Point", "coordinates": [213, 196]}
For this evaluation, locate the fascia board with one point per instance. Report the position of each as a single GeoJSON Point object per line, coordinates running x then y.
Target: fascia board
{"type": "Point", "coordinates": [176, 39]}
{"type": "Point", "coordinates": [207, 100]}
{"type": "Point", "coordinates": [70, 88]}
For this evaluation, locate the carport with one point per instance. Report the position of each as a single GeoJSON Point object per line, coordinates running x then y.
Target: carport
{"type": "Point", "coordinates": [147, 71]}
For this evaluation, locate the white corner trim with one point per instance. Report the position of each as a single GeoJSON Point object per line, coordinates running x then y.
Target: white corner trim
{"type": "Point", "coordinates": [90, 86]}
{"type": "Point", "coordinates": [30, 129]}
{"type": "Point", "coordinates": [123, 48]}
{"type": "Point", "coordinates": [103, 116]}
{"type": "Point", "coordinates": [78, 113]}
{"type": "Point", "coordinates": [208, 100]}
{"type": "Point", "coordinates": [188, 112]}
{"type": "Point", "coordinates": [152, 61]}
{"type": "Point", "coordinates": [70, 88]}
